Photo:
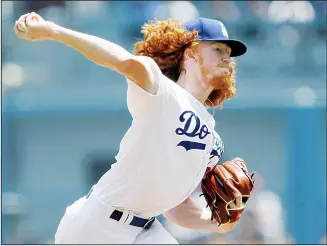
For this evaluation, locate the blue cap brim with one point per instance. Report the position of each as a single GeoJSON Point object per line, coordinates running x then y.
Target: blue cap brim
{"type": "Point", "coordinates": [238, 48]}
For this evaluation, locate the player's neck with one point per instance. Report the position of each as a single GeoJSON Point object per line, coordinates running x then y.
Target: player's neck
{"type": "Point", "coordinates": [195, 87]}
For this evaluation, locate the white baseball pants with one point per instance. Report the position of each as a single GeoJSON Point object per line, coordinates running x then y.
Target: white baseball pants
{"type": "Point", "coordinates": [87, 221]}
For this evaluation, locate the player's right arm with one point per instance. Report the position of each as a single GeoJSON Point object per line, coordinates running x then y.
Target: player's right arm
{"type": "Point", "coordinates": [102, 52]}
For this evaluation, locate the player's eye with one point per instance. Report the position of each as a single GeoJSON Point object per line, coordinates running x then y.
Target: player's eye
{"type": "Point", "coordinates": [222, 51]}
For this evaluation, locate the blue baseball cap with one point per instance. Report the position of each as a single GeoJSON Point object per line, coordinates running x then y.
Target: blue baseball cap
{"type": "Point", "coordinates": [215, 30]}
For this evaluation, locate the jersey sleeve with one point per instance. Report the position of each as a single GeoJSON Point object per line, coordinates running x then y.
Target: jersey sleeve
{"type": "Point", "coordinates": [141, 103]}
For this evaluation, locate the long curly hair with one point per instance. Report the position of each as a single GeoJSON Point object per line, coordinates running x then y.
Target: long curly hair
{"type": "Point", "coordinates": [166, 42]}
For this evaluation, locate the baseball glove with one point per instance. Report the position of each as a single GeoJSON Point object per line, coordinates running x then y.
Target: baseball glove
{"type": "Point", "coordinates": [222, 185]}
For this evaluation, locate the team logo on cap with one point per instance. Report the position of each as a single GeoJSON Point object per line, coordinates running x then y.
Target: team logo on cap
{"type": "Point", "coordinates": [224, 31]}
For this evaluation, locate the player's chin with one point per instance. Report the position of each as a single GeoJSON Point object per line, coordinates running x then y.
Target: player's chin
{"type": "Point", "coordinates": [223, 71]}
{"type": "Point", "coordinates": [219, 83]}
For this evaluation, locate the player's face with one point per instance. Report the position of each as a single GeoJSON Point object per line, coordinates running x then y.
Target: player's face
{"type": "Point", "coordinates": [215, 63]}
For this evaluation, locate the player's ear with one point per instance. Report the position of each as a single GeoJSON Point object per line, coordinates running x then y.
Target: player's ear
{"type": "Point", "coordinates": [190, 54]}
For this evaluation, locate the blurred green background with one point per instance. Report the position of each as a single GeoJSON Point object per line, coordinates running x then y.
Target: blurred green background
{"type": "Point", "coordinates": [63, 116]}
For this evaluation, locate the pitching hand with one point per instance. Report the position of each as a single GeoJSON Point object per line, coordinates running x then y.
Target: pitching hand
{"type": "Point", "coordinates": [32, 27]}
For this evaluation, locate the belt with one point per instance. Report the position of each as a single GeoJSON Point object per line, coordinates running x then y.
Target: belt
{"type": "Point", "coordinates": [136, 221]}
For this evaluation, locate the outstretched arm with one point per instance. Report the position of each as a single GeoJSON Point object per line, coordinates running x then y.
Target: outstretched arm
{"type": "Point", "coordinates": [188, 215]}
{"type": "Point", "coordinates": [98, 50]}
{"type": "Point", "coordinates": [102, 52]}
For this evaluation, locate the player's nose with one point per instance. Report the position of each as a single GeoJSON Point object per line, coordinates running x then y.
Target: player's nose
{"type": "Point", "coordinates": [226, 60]}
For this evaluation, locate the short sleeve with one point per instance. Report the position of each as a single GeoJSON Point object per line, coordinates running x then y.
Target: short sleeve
{"type": "Point", "coordinates": [141, 103]}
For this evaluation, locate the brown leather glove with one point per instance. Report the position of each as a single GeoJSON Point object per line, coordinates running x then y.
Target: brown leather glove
{"type": "Point", "coordinates": [222, 185]}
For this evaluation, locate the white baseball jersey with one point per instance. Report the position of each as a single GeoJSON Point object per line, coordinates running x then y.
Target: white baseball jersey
{"type": "Point", "coordinates": [164, 154]}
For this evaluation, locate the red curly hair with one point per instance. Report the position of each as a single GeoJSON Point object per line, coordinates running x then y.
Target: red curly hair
{"type": "Point", "coordinates": [166, 42]}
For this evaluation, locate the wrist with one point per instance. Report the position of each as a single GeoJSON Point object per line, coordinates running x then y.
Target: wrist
{"type": "Point", "coordinates": [226, 227]}
{"type": "Point", "coordinates": [54, 30]}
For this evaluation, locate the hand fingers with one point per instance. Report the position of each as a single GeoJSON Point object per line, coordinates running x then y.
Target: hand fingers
{"type": "Point", "coordinates": [21, 26]}
{"type": "Point", "coordinates": [33, 17]}
{"type": "Point", "coordinates": [22, 18]}
{"type": "Point", "coordinates": [19, 31]}
{"type": "Point", "coordinates": [232, 205]}
{"type": "Point", "coordinates": [36, 16]}
{"type": "Point", "coordinates": [239, 202]}
{"type": "Point", "coordinates": [28, 20]}
{"type": "Point", "coordinates": [21, 34]}
{"type": "Point", "coordinates": [16, 29]}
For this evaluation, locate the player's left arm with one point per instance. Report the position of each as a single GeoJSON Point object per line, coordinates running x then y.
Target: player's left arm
{"type": "Point", "coordinates": [188, 215]}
